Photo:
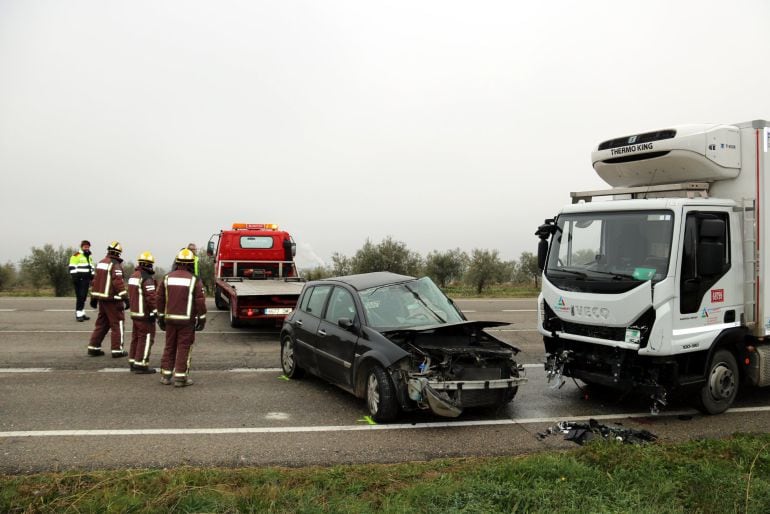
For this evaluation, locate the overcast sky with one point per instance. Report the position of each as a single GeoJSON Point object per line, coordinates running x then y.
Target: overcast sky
{"type": "Point", "coordinates": [443, 124]}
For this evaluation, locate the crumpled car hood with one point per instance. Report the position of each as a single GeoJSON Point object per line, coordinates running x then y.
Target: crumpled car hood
{"type": "Point", "coordinates": [445, 327]}
{"type": "Point", "coordinates": [447, 335]}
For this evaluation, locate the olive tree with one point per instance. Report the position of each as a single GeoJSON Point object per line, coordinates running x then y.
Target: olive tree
{"type": "Point", "coordinates": [485, 268]}
{"type": "Point", "coordinates": [444, 267]}
{"type": "Point", "coordinates": [49, 266]}
{"type": "Point", "coordinates": [388, 255]}
{"type": "Point", "coordinates": [7, 276]}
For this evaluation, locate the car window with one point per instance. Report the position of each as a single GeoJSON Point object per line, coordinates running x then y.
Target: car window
{"type": "Point", "coordinates": [317, 299]}
{"type": "Point", "coordinates": [305, 299]}
{"type": "Point", "coordinates": [341, 305]}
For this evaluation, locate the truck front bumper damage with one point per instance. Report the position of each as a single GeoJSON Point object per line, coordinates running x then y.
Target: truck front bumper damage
{"type": "Point", "coordinates": [616, 368]}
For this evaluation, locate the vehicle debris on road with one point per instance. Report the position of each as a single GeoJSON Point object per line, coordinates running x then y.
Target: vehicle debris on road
{"type": "Point", "coordinates": [581, 433]}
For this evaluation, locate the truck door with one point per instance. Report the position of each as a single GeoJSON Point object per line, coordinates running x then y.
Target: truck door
{"type": "Point", "coordinates": [337, 344]}
{"type": "Point", "coordinates": [705, 299]}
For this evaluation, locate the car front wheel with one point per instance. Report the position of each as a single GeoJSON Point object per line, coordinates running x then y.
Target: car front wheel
{"type": "Point", "coordinates": [288, 359]}
{"type": "Point", "coordinates": [380, 395]}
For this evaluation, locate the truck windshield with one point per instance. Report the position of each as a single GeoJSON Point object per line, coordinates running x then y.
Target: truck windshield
{"type": "Point", "coordinates": [620, 247]}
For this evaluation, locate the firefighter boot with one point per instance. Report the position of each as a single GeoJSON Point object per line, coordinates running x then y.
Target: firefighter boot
{"type": "Point", "coordinates": [116, 354]}
{"type": "Point", "coordinates": [183, 382]}
{"type": "Point", "coordinates": [143, 370]}
{"type": "Point", "coordinates": [95, 352]}
{"type": "Point", "coordinates": [165, 380]}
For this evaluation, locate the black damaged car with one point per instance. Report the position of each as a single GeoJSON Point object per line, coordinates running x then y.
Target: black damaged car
{"type": "Point", "coordinates": [400, 343]}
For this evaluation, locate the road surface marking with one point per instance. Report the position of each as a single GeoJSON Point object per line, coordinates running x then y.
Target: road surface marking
{"type": "Point", "coordinates": [255, 370]}
{"type": "Point", "coordinates": [25, 370]}
{"type": "Point", "coordinates": [7, 310]}
{"type": "Point", "coordinates": [353, 428]}
{"type": "Point", "coordinates": [467, 311]}
{"type": "Point", "coordinates": [114, 370]}
{"type": "Point", "coordinates": [59, 310]}
{"type": "Point", "coordinates": [519, 310]}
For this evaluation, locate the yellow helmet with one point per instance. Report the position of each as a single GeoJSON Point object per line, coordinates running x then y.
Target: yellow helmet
{"type": "Point", "coordinates": [146, 258]}
{"type": "Point", "coordinates": [114, 247]}
{"type": "Point", "coordinates": [185, 256]}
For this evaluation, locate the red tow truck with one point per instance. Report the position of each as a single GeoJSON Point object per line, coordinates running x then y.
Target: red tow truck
{"type": "Point", "coordinates": [254, 272]}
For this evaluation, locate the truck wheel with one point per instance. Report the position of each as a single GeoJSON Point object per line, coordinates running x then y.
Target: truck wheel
{"type": "Point", "coordinates": [721, 385]}
{"type": "Point", "coordinates": [288, 360]}
{"type": "Point", "coordinates": [218, 300]}
{"type": "Point", "coordinates": [234, 322]}
{"type": "Point", "coordinates": [380, 395]}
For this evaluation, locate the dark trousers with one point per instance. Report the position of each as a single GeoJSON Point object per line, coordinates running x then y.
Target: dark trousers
{"type": "Point", "coordinates": [111, 318]}
{"type": "Point", "coordinates": [142, 339]}
{"type": "Point", "coordinates": [81, 291]}
{"type": "Point", "coordinates": [176, 354]}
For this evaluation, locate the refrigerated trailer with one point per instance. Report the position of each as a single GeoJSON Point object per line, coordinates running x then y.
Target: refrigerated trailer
{"type": "Point", "coordinates": [658, 284]}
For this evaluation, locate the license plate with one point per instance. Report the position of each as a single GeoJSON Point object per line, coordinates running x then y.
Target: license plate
{"type": "Point", "coordinates": [278, 310]}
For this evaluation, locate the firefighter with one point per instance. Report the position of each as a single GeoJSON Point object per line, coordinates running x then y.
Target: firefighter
{"type": "Point", "coordinates": [181, 311]}
{"type": "Point", "coordinates": [110, 292]}
{"type": "Point", "coordinates": [144, 311]}
{"type": "Point", "coordinates": [81, 269]}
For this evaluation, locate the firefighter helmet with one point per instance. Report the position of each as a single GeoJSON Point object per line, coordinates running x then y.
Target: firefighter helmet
{"type": "Point", "coordinates": [114, 248]}
{"type": "Point", "coordinates": [146, 259]}
{"type": "Point", "coordinates": [185, 256]}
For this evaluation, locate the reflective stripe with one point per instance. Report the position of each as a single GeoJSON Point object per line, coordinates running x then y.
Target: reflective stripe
{"type": "Point", "coordinates": [178, 281]}
{"type": "Point", "coordinates": [707, 328]}
{"type": "Point", "coordinates": [103, 265]}
{"type": "Point", "coordinates": [107, 284]}
{"type": "Point", "coordinates": [94, 347]}
{"type": "Point", "coordinates": [133, 281]}
{"type": "Point", "coordinates": [151, 288]}
{"type": "Point", "coordinates": [120, 323]}
{"type": "Point", "coordinates": [146, 353]}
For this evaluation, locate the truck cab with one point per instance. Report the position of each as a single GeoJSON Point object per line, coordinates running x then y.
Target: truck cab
{"type": "Point", "coordinates": [652, 286]}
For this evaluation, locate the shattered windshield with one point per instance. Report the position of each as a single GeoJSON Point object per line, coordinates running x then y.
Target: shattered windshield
{"type": "Point", "coordinates": [612, 246]}
{"type": "Point", "coordinates": [409, 304]}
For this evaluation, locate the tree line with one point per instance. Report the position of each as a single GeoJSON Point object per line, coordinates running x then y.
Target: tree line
{"type": "Point", "coordinates": [46, 267]}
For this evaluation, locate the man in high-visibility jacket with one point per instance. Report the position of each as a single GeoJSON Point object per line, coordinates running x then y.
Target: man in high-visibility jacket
{"type": "Point", "coordinates": [181, 311]}
{"type": "Point", "coordinates": [143, 303]}
{"type": "Point", "coordinates": [109, 291]}
{"type": "Point", "coordinates": [81, 269]}
{"type": "Point", "coordinates": [194, 249]}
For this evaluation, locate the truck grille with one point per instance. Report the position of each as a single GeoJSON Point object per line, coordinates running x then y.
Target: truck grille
{"type": "Point", "coordinates": [609, 333]}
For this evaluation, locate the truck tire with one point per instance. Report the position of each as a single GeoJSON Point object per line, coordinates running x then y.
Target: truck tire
{"type": "Point", "coordinates": [218, 300]}
{"type": "Point", "coordinates": [380, 395]}
{"type": "Point", "coordinates": [721, 386]}
{"type": "Point", "coordinates": [234, 322]}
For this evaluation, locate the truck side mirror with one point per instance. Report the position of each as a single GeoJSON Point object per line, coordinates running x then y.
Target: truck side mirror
{"type": "Point", "coordinates": [542, 253]}
{"type": "Point", "coordinates": [210, 249]}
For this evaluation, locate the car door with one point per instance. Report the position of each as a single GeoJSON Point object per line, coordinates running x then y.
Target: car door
{"type": "Point", "coordinates": [336, 345]}
{"type": "Point", "coordinates": [306, 322]}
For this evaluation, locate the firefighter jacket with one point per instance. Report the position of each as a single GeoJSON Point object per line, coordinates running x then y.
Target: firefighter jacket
{"type": "Point", "coordinates": [108, 281]}
{"type": "Point", "coordinates": [81, 266]}
{"type": "Point", "coordinates": [181, 299]}
{"type": "Point", "coordinates": [142, 296]}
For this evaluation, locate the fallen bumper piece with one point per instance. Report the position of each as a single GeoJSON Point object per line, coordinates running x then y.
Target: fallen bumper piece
{"type": "Point", "coordinates": [581, 433]}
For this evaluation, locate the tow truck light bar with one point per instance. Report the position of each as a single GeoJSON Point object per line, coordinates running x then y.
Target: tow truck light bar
{"type": "Point", "coordinates": [255, 226]}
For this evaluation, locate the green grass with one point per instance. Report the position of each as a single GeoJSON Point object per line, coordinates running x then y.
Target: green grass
{"type": "Point", "coordinates": [494, 291]}
{"type": "Point", "coordinates": [729, 475]}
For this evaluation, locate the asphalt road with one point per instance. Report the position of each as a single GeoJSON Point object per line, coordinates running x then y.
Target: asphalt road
{"type": "Point", "coordinates": [60, 409]}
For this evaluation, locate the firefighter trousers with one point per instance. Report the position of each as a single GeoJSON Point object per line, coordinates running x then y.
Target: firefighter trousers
{"type": "Point", "coordinates": [111, 318]}
{"type": "Point", "coordinates": [142, 339]}
{"type": "Point", "coordinates": [178, 349]}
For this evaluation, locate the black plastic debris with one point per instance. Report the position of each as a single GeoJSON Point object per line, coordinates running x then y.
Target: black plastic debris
{"type": "Point", "coordinates": [581, 433]}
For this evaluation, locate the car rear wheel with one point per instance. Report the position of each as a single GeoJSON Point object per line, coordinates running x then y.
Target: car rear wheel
{"type": "Point", "coordinates": [721, 386]}
{"type": "Point", "coordinates": [380, 395]}
{"type": "Point", "coordinates": [288, 360]}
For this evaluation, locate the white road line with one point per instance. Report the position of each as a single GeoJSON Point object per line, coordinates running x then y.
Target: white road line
{"type": "Point", "coordinates": [7, 310]}
{"type": "Point", "coordinates": [198, 334]}
{"type": "Point", "coordinates": [114, 370]}
{"type": "Point", "coordinates": [25, 370]}
{"type": "Point", "coordinates": [519, 310]}
{"type": "Point", "coordinates": [467, 311]}
{"type": "Point", "coordinates": [255, 370]}
{"type": "Point", "coordinates": [355, 428]}
{"type": "Point", "coordinates": [59, 310]}
{"type": "Point", "coordinates": [532, 365]}
{"type": "Point", "coordinates": [511, 330]}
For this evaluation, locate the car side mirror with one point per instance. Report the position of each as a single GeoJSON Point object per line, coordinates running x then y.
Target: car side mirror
{"type": "Point", "coordinates": [210, 249]}
{"type": "Point", "coordinates": [346, 323]}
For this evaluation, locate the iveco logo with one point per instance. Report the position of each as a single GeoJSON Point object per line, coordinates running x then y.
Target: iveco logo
{"type": "Point", "coordinates": [584, 311]}
{"type": "Point", "coordinates": [632, 140]}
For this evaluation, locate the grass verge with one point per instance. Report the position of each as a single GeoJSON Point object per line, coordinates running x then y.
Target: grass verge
{"type": "Point", "coordinates": [728, 475]}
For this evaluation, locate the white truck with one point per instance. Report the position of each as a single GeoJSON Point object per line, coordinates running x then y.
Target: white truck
{"type": "Point", "coordinates": [659, 285]}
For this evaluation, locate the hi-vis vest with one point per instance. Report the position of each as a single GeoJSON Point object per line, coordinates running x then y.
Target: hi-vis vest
{"type": "Point", "coordinates": [81, 266]}
{"type": "Point", "coordinates": [180, 298]}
